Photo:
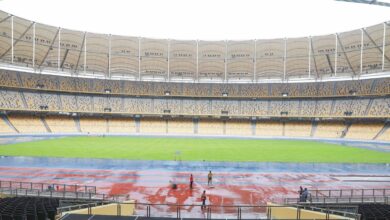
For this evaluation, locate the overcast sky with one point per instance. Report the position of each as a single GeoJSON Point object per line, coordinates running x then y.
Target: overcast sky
{"type": "Point", "coordinates": [201, 19]}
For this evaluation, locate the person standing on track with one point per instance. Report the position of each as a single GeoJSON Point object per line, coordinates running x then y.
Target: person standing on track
{"type": "Point", "coordinates": [191, 181]}
{"type": "Point", "coordinates": [203, 198]}
{"type": "Point", "coordinates": [210, 178]}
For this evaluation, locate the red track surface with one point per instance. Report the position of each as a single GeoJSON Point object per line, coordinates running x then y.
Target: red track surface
{"type": "Point", "coordinates": [153, 186]}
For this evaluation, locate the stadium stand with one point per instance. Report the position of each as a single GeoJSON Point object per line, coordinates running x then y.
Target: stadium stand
{"type": "Point", "coordinates": [385, 136]}
{"type": "Point", "coordinates": [380, 107]}
{"type": "Point", "coordinates": [69, 102]}
{"type": "Point", "coordinates": [233, 88]}
{"type": "Point", "coordinates": [27, 124]}
{"type": "Point", "coordinates": [180, 126]}
{"type": "Point", "coordinates": [28, 208]}
{"type": "Point", "coordinates": [5, 128]}
{"type": "Point", "coordinates": [364, 130]}
{"type": "Point", "coordinates": [93, 125]}
{"type": "Point", "coordinates": [269, 128]}
{"type": "Point", "coordinates": [374, 211]}
{"type": "Point", "coordinates": [100, 86]}
{"type": "Point", "coordinates": [238, 127]}
{"type": "Point", "coordinates": [61, 124]}
{"type": "Point", "coordinates": [297, 129]}
{"type": "Point", "coordinates": [211, 127]}
{"type": "Point", "coordinates": [153, 125]}
{"type": "Point", "coordinates": [121, 125]}
{"type": "Point", "coordinates": [330, 129]}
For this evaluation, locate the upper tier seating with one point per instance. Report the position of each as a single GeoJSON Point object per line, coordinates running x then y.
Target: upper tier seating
{"type": "Point", "coordinates": [86, 85]}
{"type": "Point", "coordinates": [324, 107]}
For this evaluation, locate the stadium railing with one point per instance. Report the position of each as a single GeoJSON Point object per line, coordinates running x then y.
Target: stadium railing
{"type": "Point", "coordinates": [48, 186]}
{"type": "Point", "coordinates": [350, 193]}
{"type": "Point", "coordinates": [340, 200]}
{"type": "Point", "coordinates": [210, 211]}
{"type": "Point", "coordinates": [62, 194]}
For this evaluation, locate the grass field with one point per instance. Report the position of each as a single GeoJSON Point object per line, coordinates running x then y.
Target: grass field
{"type": "Point", "coordinates": [153, 148]}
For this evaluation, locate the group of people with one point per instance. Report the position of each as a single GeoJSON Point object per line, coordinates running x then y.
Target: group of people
{"type": "Point", "coordinates": [303, 194]}
{"type": "Point", "coordinates": [209, 183]}
{"type": "Point", "coordinates": [209, 179]}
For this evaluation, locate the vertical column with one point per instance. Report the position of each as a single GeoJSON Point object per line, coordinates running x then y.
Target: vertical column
{"type": "Point", "coordinates": [254, 62]}
{"type": "Point", "coordinates": [139, 58]}
{"type": "Point", "coordinates": [226, 60]}
{"type": "Point", "coordinates": [12, 39]}
{"type": "Point", "coordinates": [383, 46]}
{"type": "Point", "coordinates": [284, 59]}
{"type": "Point", "coordinates": [197, 61]}
{"type": "Point", "coordinates": [85, 52]}
{"type": "Point", "coordinates": [59, 50]}
{"type": "Point", "coordinates": [169, 49]}
{"type": "Point", "coordinates": [109, 56]}
{"type": "Point", "coordinates": [335, 54]}
{"type": "Point", "coordinates": [33, 46]}
{"type": "Point", "coordinates": [309, 39]}
{"type": "Point", "coordinates": [361, 50]}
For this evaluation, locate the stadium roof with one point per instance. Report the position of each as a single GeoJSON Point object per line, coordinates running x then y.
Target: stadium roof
{"type": "Point", "coordinates": [201, 19]}
{"type": "Point", "coordinates": [353, 54]}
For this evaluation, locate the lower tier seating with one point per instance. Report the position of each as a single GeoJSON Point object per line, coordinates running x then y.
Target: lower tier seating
{"type": "Point", "coordinates": [365, 130]}
{"type": "Point", "coordinates": [13, 208]}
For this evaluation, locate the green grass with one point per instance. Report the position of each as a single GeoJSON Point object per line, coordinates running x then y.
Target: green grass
{"type": "Point", "coordinates": [151, 148]}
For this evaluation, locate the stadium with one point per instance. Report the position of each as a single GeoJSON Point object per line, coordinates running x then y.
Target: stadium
{"type": "Point", "coordinates": [103, 126]}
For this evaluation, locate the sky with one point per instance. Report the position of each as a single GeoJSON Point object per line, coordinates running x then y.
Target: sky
{"type": "Point", "coordinates": [201, 19]}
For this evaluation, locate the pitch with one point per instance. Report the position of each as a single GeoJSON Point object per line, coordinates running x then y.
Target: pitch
{"type": "Point", "coordinates": [195, 149]}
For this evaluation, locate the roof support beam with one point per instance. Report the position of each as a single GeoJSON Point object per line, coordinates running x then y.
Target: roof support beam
{"type": "Point", "coordinates": [376, 45]}
{"type": "Point", "coordinates": [226, 60]}
{"type": "Point", "coordinates": [284, 59]}
{"type": "Point", "coordinates": [369, 2]}
{"type": "Point", "coordinates": [6, 18]}
{"type": "Point", "coordinates": [139, 59]}
{"type": "Point", "coordinates": [254, 62]}
{"type": "Point", "coordinates": [336, 55]}
{"type": "Point", "coordinates": [109, 56]}
{"type": "Point", "coordinates": [309, 56]}
{"type": "Point", "coordinates": [384, 46]}
{"type": "Point", "coordinates": [85, 53]}
{"type": "Point", "coordinates": [16, 41]}
{"type": "Point", "coordinates": [329, 63]}
{"type": "Point", "coordinates": [33, 46]}
{"type": "Point", "coordinates": [345, 54]}
{"type": "Point", "coordinates": [314, 57]}
{"type": "Point", "coordinates": [12, 39]}
{"type": "Point", "coordinates": [168, 57]}
{"type": "Point", "coordinates": [59, 50]}
{"type": "Point", "coordinates": [63, 59]}
{"type": "Point", "coordinates": [81, 50]}
{"type": "Point", "coordinates": [197, 61]}
{"type": "Point", "coordinates": [361, 51]}
{"type": "Point", "coordinates": [48, 50]}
